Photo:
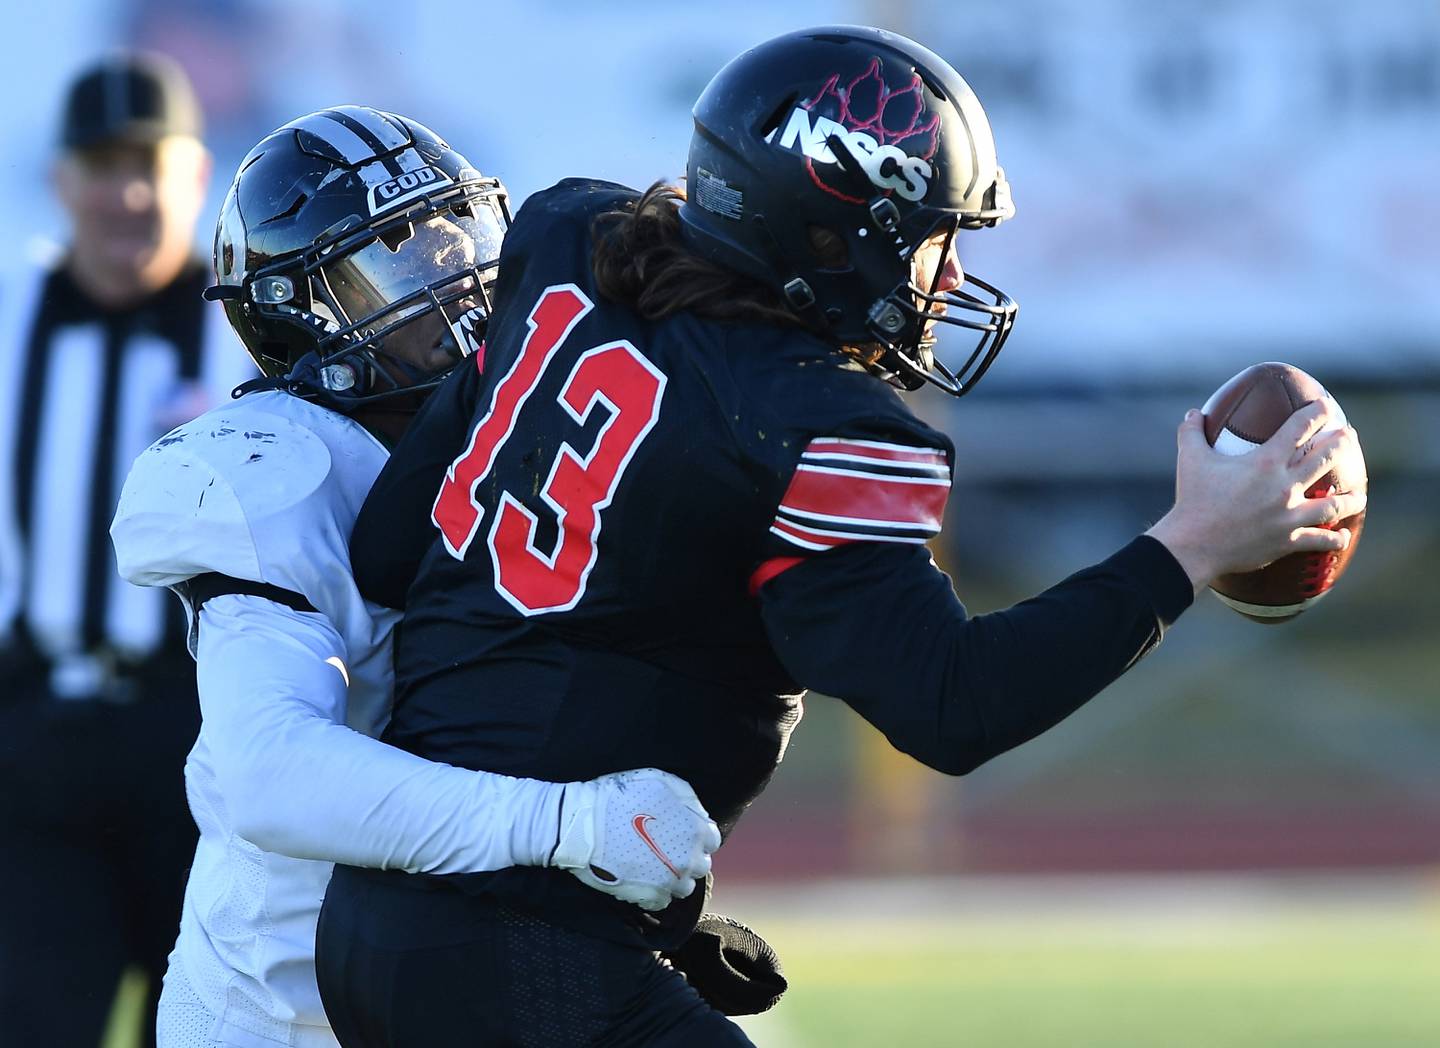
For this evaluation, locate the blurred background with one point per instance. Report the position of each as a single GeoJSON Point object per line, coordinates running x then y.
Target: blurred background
{"type": "Point", "coordinates": [1239, 842]}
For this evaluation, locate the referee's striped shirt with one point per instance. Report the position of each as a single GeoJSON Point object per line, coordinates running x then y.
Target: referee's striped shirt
{"type": "Point", "coordinates": [84, 390]}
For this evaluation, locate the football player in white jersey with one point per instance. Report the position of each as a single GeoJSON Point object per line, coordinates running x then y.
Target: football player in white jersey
{"type": "Point", "coordinates": [354, 255]}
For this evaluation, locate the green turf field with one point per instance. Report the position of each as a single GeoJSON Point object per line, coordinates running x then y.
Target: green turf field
{"type": "Point", "coordinates": [1138, 964]}
{"type": "Point", "coordinates": [1347, 977]}
{"type": "Point", "coordinates": [125, 1019]}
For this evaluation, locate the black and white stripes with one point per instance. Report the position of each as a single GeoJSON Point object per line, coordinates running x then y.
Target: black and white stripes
{"type": "Point", "coordinates": [84, 392]}
{"type": "Point", "coordinates": [352, 135]}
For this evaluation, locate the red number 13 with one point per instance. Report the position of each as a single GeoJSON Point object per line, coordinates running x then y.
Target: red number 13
{"type": "Point", "coordinates": [576, 489]}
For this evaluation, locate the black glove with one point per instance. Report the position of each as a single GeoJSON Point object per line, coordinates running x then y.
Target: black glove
{"type": "Point", "coordinates": [732, 968]}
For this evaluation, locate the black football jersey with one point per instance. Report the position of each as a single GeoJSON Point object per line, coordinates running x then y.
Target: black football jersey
{"type": "Point", "coordinates": [622, 544]}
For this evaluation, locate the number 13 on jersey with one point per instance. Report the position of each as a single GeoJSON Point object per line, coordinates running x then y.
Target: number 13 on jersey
{"type": "Point", "coordinates": [577, 488]}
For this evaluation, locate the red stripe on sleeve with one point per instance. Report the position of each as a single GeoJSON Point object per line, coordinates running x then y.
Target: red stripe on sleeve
{"type": "Point", "coordinates": [768, 570]}
{"type": "Point", "coordinates": [806, 535]}
{"type": "Point", "coordinates": [879, 499]}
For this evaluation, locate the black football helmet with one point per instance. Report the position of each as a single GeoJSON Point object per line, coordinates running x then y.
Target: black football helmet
{"type": "Point", "coordinates": [866, 135]}
{"type": "Point", "coordinates": [355, 254]}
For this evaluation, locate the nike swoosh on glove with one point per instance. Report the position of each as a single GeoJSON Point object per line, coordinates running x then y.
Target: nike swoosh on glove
{"type": "Point", "coordinates": [641, 836]}
{"type": "Point", "coordinates": [735, 970]}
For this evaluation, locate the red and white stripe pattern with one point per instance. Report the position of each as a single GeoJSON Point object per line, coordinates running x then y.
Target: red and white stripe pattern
{"type": "Point", "coordinates": [847, 490]}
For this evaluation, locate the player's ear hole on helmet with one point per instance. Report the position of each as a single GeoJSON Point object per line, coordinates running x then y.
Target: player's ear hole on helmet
{"type": "Point", "coordinates": [828, 247]}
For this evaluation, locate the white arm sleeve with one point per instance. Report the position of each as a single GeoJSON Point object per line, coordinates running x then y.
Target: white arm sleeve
{"type": "Point", "coordinates": [297, 781]}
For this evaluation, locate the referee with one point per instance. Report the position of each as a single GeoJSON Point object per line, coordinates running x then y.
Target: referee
{"type": "Point", "coordinates": [100, 353]}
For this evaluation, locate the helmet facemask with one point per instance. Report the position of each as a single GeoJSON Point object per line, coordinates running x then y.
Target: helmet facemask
{"type": "Point", "coordinates": [904, 322]}
{"type": "Point", "coordinates": [393, 305]}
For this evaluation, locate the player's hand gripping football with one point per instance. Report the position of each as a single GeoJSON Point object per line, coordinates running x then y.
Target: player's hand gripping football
{"type": "Point", "coordinates": [1239, 512]}
{"type": "Point", "coordinates": [641, 836]}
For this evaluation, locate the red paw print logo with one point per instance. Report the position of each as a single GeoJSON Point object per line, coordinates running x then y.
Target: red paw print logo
{"type": "Point", "coordinates": [894, 117]}
{"type": "Point", "coordinates": [887, 130]}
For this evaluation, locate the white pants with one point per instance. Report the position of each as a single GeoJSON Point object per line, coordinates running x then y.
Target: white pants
{"type": "Point", "coordinates": [183, 1021]}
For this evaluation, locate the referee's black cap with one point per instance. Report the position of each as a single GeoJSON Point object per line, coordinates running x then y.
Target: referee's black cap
{"type": "Point", "coordinates": [129, 96]}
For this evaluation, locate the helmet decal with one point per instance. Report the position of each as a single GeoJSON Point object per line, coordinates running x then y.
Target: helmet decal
{"type": "Point", "coordinates": [393, 192]}
{"type": "Point", "coordinates": [887, 130]}
{"type": "Point", "coordinates": [337, 135]}
{"type": "Point", "coordinates": [398, 179]}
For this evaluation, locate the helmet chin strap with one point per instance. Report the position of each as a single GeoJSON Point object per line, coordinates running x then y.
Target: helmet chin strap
{"type": "Point", "coordinates": [257, 385]}
{"type": "Point", "coordinates": [797, 292]}
{"type": "Point", "coordinates": [794, 289]}
{"type": "Point", "coordinates": [886, 319]}
{"type": "Point", "coordinates": [927, 369]}
{"type": "Point", "coordinates": [306, 379]}
{"type": "Point", "coordinates": [305, 376]}
{"type": "Point", "coordinates": [892, 317]}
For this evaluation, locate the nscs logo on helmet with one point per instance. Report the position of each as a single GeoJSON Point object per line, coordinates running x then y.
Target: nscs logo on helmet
{"type": "Point", "coordinates": [873, 120]}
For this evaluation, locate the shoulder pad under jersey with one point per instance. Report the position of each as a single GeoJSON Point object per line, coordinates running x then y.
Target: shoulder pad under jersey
{"type": "Point", "coordinates": [202, 498]}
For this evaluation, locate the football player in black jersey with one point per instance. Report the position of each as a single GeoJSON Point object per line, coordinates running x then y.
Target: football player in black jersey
{"type": "Point", "coordinates": [682, 488]}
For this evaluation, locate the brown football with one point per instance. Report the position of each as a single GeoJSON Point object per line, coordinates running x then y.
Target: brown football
{"type": "Point", "coordinates": [1241, 415]}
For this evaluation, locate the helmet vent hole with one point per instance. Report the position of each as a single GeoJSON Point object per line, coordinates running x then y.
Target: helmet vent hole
{"type": "Point", "coordinates": [772, 121]}
{"type": "Point", "coordinates": [932, 84]}
{"type": "Point", "coordinates": [294, 208]}
{"type": "Point", "coordinates": [828, 247]}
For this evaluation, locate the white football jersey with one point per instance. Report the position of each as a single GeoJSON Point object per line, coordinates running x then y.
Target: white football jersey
{"type": "Point", "coordinates": [267, 489]}
{"type": "Point", "coordinates": [264, 488]}
{"type": "Point", "coordinates": [287, 776]}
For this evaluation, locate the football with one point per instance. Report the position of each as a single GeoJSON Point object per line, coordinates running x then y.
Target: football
{"type": "Point", "coordinates": [1242, 414]}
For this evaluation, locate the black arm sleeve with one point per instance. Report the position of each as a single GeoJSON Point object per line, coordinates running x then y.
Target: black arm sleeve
{"type": "Point", "coordinates": [393, 531]}
{"type": "Point", "coordinates": [880, 627]}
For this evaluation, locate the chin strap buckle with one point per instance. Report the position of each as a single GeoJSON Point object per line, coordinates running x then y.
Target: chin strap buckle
{"type": "Point", "coordinates": [885, 215]}
{"type": "Point", "coordinates": [799, 294]}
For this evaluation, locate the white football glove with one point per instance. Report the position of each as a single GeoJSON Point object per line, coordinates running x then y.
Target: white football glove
{"type": "Point", "coordinates": [641, 836]}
